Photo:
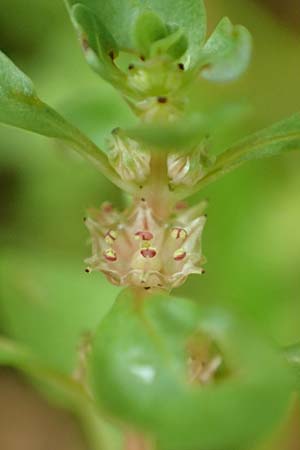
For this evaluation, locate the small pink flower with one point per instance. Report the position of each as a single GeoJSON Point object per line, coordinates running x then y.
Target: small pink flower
{"type": "Point", "coordinates": [135, 248]}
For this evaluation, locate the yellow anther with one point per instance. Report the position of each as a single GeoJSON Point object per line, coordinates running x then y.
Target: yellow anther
{"type": "Point", "coordinates": [110, 237]}
{"type": "Point", "coordinates": [110, 255]}
{"type": "Point", "coordinates": [178, 233]}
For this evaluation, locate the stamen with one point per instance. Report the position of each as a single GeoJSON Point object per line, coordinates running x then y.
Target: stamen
{"type": "Point", "coordinates": [179, 255]}
{"type": "Point", "coordinates": [148, 252]}
{"type": "Point", "coordinates": [178, 233]}
{"type": "Point", "coordinates": [110, 236]}
{"type": "Point", "coordinates": [110, 255]}
{"type": "Point", "coordinates": [144, 235]}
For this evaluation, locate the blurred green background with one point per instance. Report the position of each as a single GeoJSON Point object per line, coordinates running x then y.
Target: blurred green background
{"type": "Point", "coordinates": [252, 238]}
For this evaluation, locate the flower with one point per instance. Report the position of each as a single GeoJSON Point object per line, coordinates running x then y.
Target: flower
{"type": "Point", "coordinates": [126, 156]}
{"type": "Point", "coordinates": [135, 248]}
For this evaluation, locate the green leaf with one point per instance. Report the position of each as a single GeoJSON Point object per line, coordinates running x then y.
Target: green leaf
{"type": "Point", "coordinates": [140, 374]}
{"type": "Point", "coordinates": [20, 107]}
{"type": "Point", "coordinates": [227, 52]}
{"type": "Point", "coordinates": [117, 17]}
{"type": "Point", "coordinates": [279, 138]}
{"type": "Point", "coordinates": [97, 44]}
{"type": "Point", "coordinates": [148, 29]}
{"type": "Point", "coordinates": [174, 45]}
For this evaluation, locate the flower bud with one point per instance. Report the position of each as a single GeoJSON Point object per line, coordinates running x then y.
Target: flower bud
{"type": "Point", "coordinates": [188, 168]}
{"type": "Point", "coordinates": [127, 158]}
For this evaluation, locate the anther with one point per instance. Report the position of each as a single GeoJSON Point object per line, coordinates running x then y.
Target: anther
{"type": "Point", "coordinates": [178, 233]}
{"type": "Point", "coordinates": [110, 237]}
{"type": "Point", "coordinates": [179, 255]}
{"type": "Point", "coordinates": [148, 252]}
{"type": "Point", "coordinates": [144, 235]}
{"type": "Point", "coordinates": [110, 255]}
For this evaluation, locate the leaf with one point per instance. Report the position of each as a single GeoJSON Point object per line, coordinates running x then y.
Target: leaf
{"type": "Point", "coordinates": [279, 138]}
{"type": "Point", "coordinates": [97, 44]}
{"type": "Point", "coordinates": [20, 107]}
{"type": "Point", "coordinates": [117, 17]}
{"type": "Point", "coordinates": [175, 45]}
{"type": "Point", "coordinates": [148, 29]}
{"type": "Point", "coordinates": [139, 368]}
{"type": "Point", "coordinates": [227, 52]}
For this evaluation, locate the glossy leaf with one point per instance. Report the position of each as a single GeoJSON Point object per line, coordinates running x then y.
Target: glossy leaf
{"type": "Point", "coordinates": [279, 138]}
{"type": "Point", "coordinates": [117, 19]}
{"type": "Point", "coordinates": [139, 368]}
{"type": "Point", "coordinates": [227, 52]}
{"type": "Point", "coordinates": [20, 107]}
